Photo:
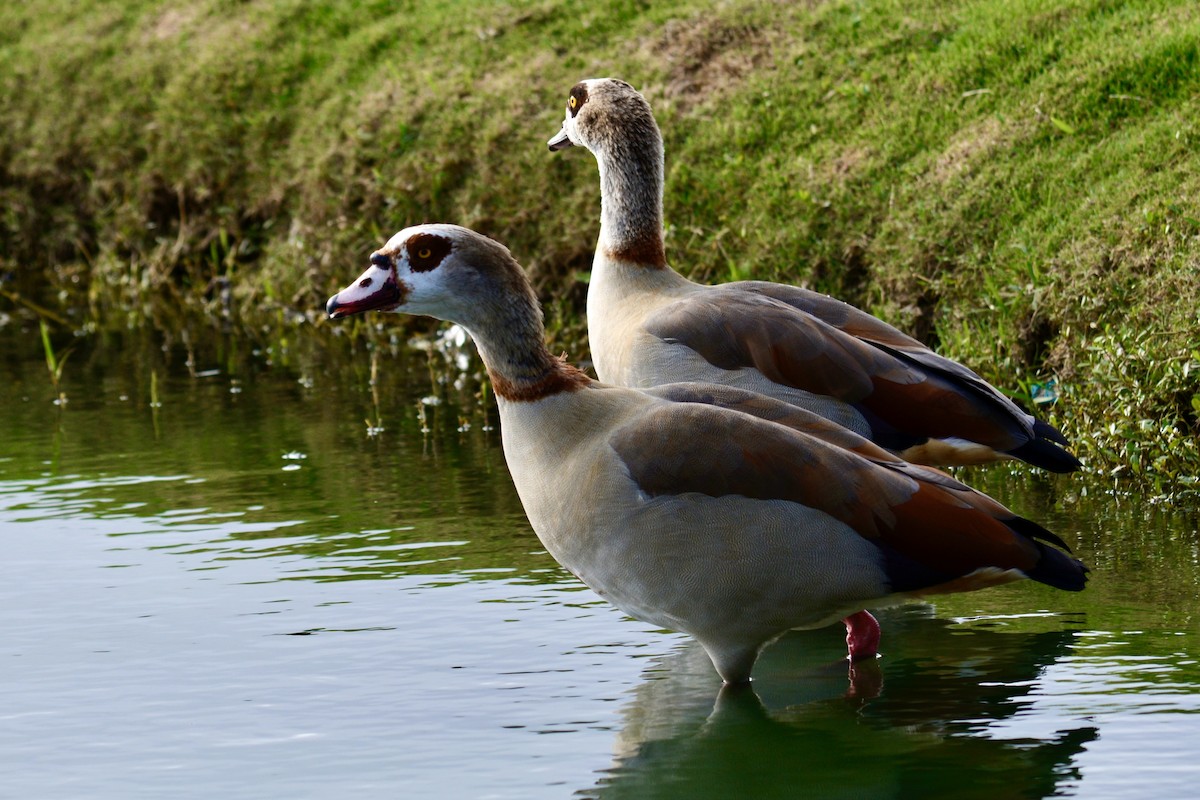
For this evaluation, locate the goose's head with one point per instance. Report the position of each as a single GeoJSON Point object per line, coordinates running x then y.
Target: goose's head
{"type": "Point", "coordinates": [603, 112]}
{"type": "Point", "coordinates": [442, 271]}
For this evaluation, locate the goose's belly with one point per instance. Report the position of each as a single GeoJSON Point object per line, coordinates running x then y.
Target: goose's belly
{"type": "Point", "coordinates": [708, 566]}
{"type": "Point", "coordinates": [653, 362]}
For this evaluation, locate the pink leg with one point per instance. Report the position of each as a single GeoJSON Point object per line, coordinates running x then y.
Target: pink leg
{"type": "Point", "coordinates": [862, 635]}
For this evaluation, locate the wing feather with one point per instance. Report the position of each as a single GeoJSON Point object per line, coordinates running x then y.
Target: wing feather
{"type": "Point", "coordinates": [816, 344]}
{"type": "Point", "coordinates": [930, 529]}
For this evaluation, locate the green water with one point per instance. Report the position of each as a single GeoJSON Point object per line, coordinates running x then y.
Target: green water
{"type": "Point", "coordinates": [220, 579]}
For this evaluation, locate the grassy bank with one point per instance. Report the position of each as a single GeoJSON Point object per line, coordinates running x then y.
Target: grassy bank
{"type": "Point", "coordinates": [1013, 181]}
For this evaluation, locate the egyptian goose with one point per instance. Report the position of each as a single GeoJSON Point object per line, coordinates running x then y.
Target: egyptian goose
{"type": "Point", "coordinates": [725, 514]}
{"type": "Point", "coordinates": [648, 325]}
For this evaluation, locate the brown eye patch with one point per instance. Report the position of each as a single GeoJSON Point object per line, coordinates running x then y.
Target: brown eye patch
{"type": "Point", "coordinates": [426, 251]}
{"type": "Point", "coordinates": [578, 97]}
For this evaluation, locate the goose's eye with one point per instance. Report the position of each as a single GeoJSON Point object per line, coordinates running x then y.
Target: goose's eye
{"type": "Point", "coordinates": [579, 96]}
{"type": "Point", "coordinates": [426, 251]}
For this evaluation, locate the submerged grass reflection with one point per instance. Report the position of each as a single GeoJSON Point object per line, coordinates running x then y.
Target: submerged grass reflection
{"type": "Point", "coordinates": [309, 549]}
{"type": "Point", "coordinates": [279, 468]}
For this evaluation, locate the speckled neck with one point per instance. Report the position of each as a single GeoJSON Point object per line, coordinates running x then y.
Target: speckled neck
{"type": "Point", "coordinates": [631, 188]}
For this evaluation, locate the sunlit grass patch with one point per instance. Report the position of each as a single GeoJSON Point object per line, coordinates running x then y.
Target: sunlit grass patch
{"type": "Point", "coordinates": [1013, 181]}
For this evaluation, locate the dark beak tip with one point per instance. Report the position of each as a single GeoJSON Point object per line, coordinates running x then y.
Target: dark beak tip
{"type": "Point", "coordinates": [332, 306]}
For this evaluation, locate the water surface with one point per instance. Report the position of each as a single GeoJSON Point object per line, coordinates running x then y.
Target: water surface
{"type": "Point", "coordinates": [221, 578]}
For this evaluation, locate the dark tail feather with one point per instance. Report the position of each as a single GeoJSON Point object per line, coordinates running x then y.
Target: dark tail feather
{"type": "Point", "coordinates": [1044, 430]}
{"type": "Point", "coordinates": [1057, 569]}
{"type": "Point", "coordinates": [1029, 528]}
{"type": "Point", "coordinates": [1047, 455]}
{"type": "Point", "coordinates": [1054, 568]}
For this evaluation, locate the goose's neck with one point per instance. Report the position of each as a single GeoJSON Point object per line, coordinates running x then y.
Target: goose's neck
{"type": "Point", "coordinates": [631, 189]}
{"type": "Point", "coordinates": [520, 366]}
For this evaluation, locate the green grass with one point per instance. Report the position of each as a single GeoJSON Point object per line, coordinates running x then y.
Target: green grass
{"type": "Point", "coordinates": [1013, 181]}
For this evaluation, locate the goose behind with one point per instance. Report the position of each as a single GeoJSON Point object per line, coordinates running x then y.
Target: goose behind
{"type": "Point", "coordinates": [648, 325]}
{"type": "Point", "coordinates": [725, 514]}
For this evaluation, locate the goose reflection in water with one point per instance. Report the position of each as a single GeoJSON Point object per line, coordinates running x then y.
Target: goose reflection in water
{"type": "Point", "coordinates": [916, 728]}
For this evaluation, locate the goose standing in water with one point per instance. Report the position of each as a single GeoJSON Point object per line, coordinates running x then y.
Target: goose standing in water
{"type": "Point", "coordinates": [648, 325]}
{"type": "Point", "coordinates": [706, 509]}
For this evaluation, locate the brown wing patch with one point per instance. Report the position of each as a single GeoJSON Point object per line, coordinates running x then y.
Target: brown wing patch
{"type": "Point", "coordinates": [740, 325]}
{"type": "Point", "coordinates": [931, 529]}
{"type": "Point", "coordinates": [734, 330]}
{"type": "Point", "coordinates": [955, 533]}
{"type": "Point", "coordinates": [842, 316]}
{"type": "Point", "coordinates": [984, 398]}
{"type": "Point", "coordinates": [935, 407]}
{"type": "Point", "coordinates": [735, 454]}
{"type": "Point", "coordinates": [773, 410]}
